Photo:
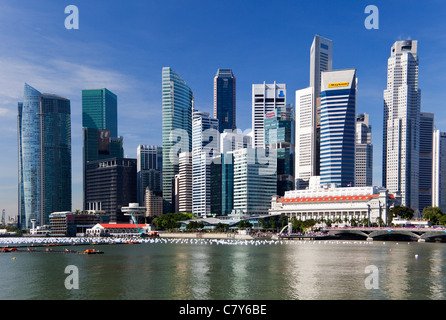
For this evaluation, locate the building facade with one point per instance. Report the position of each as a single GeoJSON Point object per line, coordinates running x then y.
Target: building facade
{"type": "Point", "coordinates": [401, 134]}
{"type": "Point", "coordinates": [185, 185]}
{"type": "Point", "coordinates": [255, 180]}
{"type": "Point", "coordinates": [427, 129]}
{"type": "Point", "coordinates": [265, 98]}
{"type": "Point", "coordinates": [364, 152]}
{"type": "Point", "coordinates": [44, 149]}
{"type": "Point", "coordinates": [224, 100]}
{"type": "Point", "coordinates": [149, 166]}
{"type": "Point", "coordinates": [279, 136]}
{"type": "Point", "coordinates": [99, 129]}
{"type": "Point", "coordinates": [177, 100]}
{"type": "Point", "coordinates": [338, 118]}
{"type": "Point", "coordinates": [111, 185]}
{"type": "Point", "coordinates": [340, 205]}
{"type": "Point", "coordinates": [439, 170]}
{"type": "Point", "coordinates": [205, 145]}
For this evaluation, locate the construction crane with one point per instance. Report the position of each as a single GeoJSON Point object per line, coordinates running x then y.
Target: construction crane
{"type": "Point", "coordinates": [132, 210]}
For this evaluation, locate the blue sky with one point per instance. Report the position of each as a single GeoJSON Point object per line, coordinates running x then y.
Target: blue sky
{"type": "Point", "coordinates": [123, 45]}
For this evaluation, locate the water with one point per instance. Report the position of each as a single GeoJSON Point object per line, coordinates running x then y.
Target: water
{"type": "Point", "coordinates": [231, 270]}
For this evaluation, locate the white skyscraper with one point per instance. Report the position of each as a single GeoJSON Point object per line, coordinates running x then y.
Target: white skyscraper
{"type": "Point", "coordinates": [305, 137]}
{"type": "Point", "coordinates": [364, 152]}
{"type": "Point", "coordinates": [265, 98]}
{"type": "Point", "coordinates": [401, 134]}
{"type": "Point", "coordinates": [205, 145]}
{"type": "Point", "coordinates": [439, 170]}
{"type": "Point", "coordinates": [321, 59]}
{"type": "Point", "coordinates": [234, 140]}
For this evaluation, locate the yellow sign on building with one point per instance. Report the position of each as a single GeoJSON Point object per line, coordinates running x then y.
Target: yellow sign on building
{"type": "Point", "coordinates": [338, 84]}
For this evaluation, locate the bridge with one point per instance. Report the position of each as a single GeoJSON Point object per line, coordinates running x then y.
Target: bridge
{"type": "Point", "coordinates": [389, 233]}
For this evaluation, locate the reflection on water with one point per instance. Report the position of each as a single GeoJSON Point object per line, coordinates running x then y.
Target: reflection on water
{"type": "Point", "coordinates": [207, 270]}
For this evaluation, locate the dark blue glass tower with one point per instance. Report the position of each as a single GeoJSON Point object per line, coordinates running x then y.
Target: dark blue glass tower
{"type": "Point", "coordinates": [224, 99]}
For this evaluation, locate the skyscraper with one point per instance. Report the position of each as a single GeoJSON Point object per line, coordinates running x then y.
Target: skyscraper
{"type": "Point", "coordinates": [426, 158]}
{"type": "Point", "coordinates": [99, 129]}
{"type": "Point", "coordinates": [265, 98]}
{"type": "Point", "coordinates": [44, 144]}
{"type": "Point", "coordinates": [149, 166]}
{"type": "Point", "coordinates": [177, 102]}
{"type": "Point", "coordinates": [338, 118]}
{"type": "Point", "coordinates": [305, 138]}
{"type": "Point", "coordinates": [321, 59]}
{"type": "Point", "coordinates": [364, 152]}
{"type": "Point", "coordinates": [205, 145]}
{"type": "Point", "coordinates": [439, 170]}
{"type": "Point", "coordinates": [224, 99]}
{"type": "Point", "coordinates": [279, 136]}
{"type": "Point", "coordinates": [401, 124]}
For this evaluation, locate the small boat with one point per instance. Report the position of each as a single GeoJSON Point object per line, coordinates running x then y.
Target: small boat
{"type": "Point", "coordinates": [92, 251]}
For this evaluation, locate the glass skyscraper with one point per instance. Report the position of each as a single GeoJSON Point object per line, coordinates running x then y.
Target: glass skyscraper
{"type": "Point", "coordinates": [224, 99]}
{"type": "Point", "coordinates": [338, 124]}
{"type": "Point", "coordinates": [44, 149]}
{"type": "Point", "coordinates": [99, 128]}
{"type": "Point", "coordinates": [177, 102]}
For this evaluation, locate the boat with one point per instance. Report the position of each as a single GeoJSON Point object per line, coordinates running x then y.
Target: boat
{"type": "Point", "coordinates": [92, 251]}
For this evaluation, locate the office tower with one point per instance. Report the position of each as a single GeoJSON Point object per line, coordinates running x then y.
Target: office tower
{"type": "Point", "coordinates": [321, 59]}
{"type": "Point", "coordinates": [439, 170]}
{"type": "Point", "coordinates": [149, 166]}
{"type": "Point", "coordinates": [364, 152]}
{"type": "Point", "coordinates": [279, 136]}
{"type": "Point", "coordinates": [230, 141]}
{"type": "Point", "coordinates": [265, 98]}
{"type": "Point", "coordinates": [205, 145]}
{"type": "Point", "coordinates": [338, 120]}
{"type": "Point", "coordinates": [401, 124]}
{"type": "Point", "coordinates": [111, 185]}
{"type": "Point", "coordinates": [185, 183]}
{"type": "Point", "coordinates": [99, 128]}
{"type": "Point", "coordinates": [305, 137]}
{"type": "Point", "coordinates": [44, 149]}
{"type": "Point", "coordinates": [224, 99]}
{"type": "Point", "coordinates": [255, 180]}
{"type": "Point", "coordinates": [153, 203]}
{"type": "Point", "coordinates": [222, 184]}
{"type": "Point", "coordinates": [426, 159]}
{"type": "Point", "coordinates": [177, 128]}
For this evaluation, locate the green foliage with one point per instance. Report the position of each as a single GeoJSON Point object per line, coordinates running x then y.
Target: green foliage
{"type": "Point", "coordinates": [434, 215]}
{"type": "Point", "coordinates": [169, 221]}
{"type": "Point", "coordinates": [194, 225]}
{"type": "Point", "coordinates": [302, 225]}
{"type": "Point", "coordinates": [402, 212]}
{"type": "Point", "coordinates": [244, 224]}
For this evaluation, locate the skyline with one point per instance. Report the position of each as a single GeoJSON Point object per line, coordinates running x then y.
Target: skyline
{"type": "Point", "coordinates": [126, 51]}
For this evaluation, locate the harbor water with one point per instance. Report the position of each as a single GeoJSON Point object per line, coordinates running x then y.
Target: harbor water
{"type": "Point", "coordinates": [205, 269]}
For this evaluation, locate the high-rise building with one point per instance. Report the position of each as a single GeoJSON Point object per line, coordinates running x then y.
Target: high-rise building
{"type": "Point", "coordinates": [111, 185]}
{"type": "Point", "coordinates": [149, 166]}
{"type": "Point", "coordinates": [265, 98]}
{"type": "Point", "coordinates": [99, 128]}
{"type": "Point", "coordinates": [401, 124]}
{"type": "Point", "coordinates": [439, 170]}
{"type": "Point", "coordinates": [364, 152]}
{"type": "Point", "coordinates": [185, 183]}
{"type": "Point", "coordinates": [205, 145]}
{"type": "Point", "coordinates": [305, 137]}
{"type": "Point", "coordinates": [222, 184]}
{"type": "Point", "coordinates": [44, 149]}
{"type": "Point", "coordinates": [177, 102]}
{"type": "Point", "coordinates": [279, 136]}
{"type": "Point", "coordinates": [255, 180]}
{"type": "Point", "coordinates": [230, 141]}
{"type": "Point", "coordinates": [224, 99]}
{"type": "Point", "coordinates": [338, 121]}
{"type": "Point", "coordinates": [426, 160]}
{"type": "Point", "coordinates": [321, 59]}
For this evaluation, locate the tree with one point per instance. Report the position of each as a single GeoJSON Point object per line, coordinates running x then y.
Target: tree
{"type": "Point", "coordinates": [434, 215]}
{"type": "Point", "coordinates": [402, 212]}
